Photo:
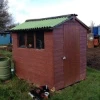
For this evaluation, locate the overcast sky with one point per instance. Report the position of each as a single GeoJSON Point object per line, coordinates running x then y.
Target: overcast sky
{"type": "Point", "coordinates": [87, 10]}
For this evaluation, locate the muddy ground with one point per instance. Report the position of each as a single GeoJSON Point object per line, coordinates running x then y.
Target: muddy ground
{"type": "Point", "coordinates": [93, 57]}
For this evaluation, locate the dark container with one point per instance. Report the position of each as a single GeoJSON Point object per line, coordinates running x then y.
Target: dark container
{"type": "Point", "coordinates": [96, 41]}
{"type": "Point", "coordinates": [5, 70]}
{"type": "Point", "coordinates": [95, 31]}
{"type": "Point", "coordinates": [99, 30]}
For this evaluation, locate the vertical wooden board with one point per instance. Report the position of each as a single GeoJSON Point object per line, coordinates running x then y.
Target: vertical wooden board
{"type": "Point", "coordinates": [58, 54]}
{"type": "Point", "coordinates": [72, 53]}
{"type": "Point", "coordinates": [83, 44]}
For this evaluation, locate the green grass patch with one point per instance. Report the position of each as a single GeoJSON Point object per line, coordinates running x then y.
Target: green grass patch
{"type": "Point", "coordinates": [14, 89]}
{"type": "Point", "coordinates": [88, 89]}
{"type": "Point", "coordinates": [5, 53]}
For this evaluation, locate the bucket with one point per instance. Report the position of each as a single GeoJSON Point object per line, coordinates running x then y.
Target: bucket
{"type": "Point", "coordinates": [5, 69]}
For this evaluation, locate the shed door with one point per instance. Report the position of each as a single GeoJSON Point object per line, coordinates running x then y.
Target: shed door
{"type": "Point", "coordinates": [71, 54]}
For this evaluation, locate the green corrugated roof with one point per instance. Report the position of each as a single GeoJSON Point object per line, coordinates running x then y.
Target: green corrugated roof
{"type": "Point", "coordinates": [41, 23]}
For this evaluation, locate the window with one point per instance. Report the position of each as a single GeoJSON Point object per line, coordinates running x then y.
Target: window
{"type": "Point", "coordinates": [30, 40]}
{"type": "Point", "coordinates": [40, 40]}
{"type": "Point", "coordinates": [21, 38]}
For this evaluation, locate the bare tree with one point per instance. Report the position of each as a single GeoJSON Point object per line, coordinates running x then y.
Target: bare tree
{"type": "Point", "coordinates": [5, 16]}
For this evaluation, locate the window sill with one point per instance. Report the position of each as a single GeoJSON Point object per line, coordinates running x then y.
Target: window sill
{"type": "Point", "coordinates": [30, 48]}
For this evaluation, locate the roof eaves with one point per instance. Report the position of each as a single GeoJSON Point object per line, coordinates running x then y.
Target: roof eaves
{"type": "Point", "coordinates": [84, 25]}
{"type": "Point", "coordinates": [30, 29]}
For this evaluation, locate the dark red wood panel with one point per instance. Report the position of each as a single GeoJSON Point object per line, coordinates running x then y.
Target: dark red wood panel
{"type": "Point", "coordinates": [72, 53]}
{"type": "Point", "coordinates": [58, 54]}
{"type": "Point", "coordinates": [83, 44]}
{"type": "Point", "coordinates": [35, 65]}
{"type": "Point", "coordinates": [69, 41]}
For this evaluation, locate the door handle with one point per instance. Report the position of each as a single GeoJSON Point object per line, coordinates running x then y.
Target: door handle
{"type": "Point", "coordinates": [64, 57]}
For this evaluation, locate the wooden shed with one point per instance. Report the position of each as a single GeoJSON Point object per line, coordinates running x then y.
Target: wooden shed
{"type": "Point", "coordinates": [51, 51]}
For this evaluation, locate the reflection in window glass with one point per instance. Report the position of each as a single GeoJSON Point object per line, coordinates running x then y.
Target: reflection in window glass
{"type": "Point", "coordinates": [40, 40]}
{"type": "Point", "coordinates": [21, 38]}
{"type": "Point", "coordinates": [30, 40]}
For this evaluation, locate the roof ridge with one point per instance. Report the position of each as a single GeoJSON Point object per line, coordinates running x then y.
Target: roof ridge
{"type": "Point", "coordinates": [68, 15]}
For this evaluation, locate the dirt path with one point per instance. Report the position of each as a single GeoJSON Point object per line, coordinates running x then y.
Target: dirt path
{"type": "Point", "coordinates": [93, 58]}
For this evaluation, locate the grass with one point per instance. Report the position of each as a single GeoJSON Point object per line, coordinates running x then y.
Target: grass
{"type": "Point", "coordinates": [89, 89]}
{"type": "Point", "coordinates": [6, 53]}
{"type": "Point", "coordinates": [14, 89]}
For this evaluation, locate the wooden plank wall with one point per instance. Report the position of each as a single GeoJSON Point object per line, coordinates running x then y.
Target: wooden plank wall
{"type": "Point", "coordinates": [35, 65]}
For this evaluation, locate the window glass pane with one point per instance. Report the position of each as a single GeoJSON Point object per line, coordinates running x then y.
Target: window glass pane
{"type": "Point", "coordinates": [21, 38]}
{"type": "Point", "coordinates": [40, 40]}
{"type": "Point", "coordinates": [30, 40]}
